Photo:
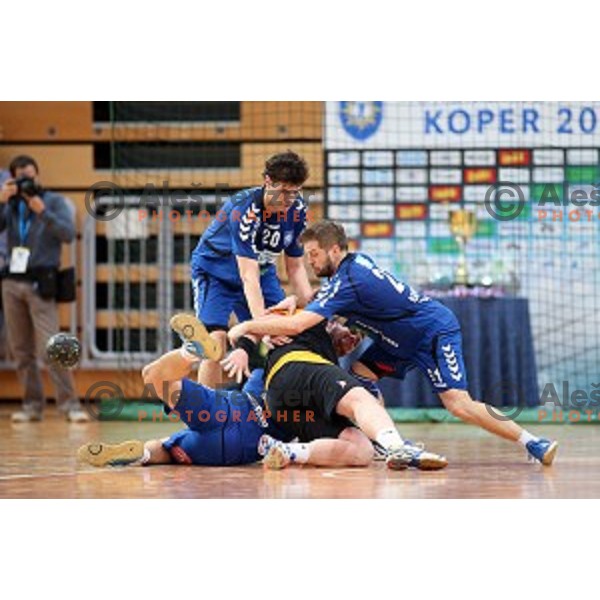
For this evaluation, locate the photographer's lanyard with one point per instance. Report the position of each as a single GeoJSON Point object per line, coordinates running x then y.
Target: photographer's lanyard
{"type": "Point", "coordinates": [19, 258]}
{"type": "Point", "coordinates": [24, 223]}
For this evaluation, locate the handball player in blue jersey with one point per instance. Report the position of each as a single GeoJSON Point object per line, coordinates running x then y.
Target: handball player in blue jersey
{"type": "Point", "coordinates": [227, 428]}
{"type": "Point", "coordinates": [234, 264]}
{"type": "Point", "coordinates": [223, 428]}
{"type": "Point", "coordinates": [408, 330]}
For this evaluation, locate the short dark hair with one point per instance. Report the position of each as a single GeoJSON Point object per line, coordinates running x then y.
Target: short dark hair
{"type": "Point", "coordinates": [20, 162]}
{"type": "Point", "coordinates": [287, 167]}
{"type": "Point", "coordinates": [326, 234]}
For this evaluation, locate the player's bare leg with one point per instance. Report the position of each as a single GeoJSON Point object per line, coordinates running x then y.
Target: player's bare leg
{"type": "Point", "coordinates": [362, 408]}
{"type": "Point", "coordinates": [157, 454]}
{"type": "Point", "coordinates": [210, 372]}
{"type": "Point", "coordinates": [351, 449]}
{"type": "Point", "coordinates": [169, 367]}
{"type": "Point", "coordinates": [211, 346]}
{"type": "Point", "coordinates": [461, 405]}
{"type": "Point", "coordinates": [163, 376]}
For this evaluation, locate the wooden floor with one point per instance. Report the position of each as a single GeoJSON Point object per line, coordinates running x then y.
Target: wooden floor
{"type": "Point", "coordinates": [38, 461]}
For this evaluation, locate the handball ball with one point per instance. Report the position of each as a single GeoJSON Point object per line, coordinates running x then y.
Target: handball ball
{"type": "Point", "coordinates": [63, 350]}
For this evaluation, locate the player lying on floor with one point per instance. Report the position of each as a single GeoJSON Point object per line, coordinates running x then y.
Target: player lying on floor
{"type": "Point", "coordinates": [233, 427]}
{"type": "Point", "coordinates": [302, 378]}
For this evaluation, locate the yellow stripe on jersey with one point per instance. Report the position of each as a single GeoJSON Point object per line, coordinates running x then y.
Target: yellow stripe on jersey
{"type": "Point", "coordinates": [296, 356]}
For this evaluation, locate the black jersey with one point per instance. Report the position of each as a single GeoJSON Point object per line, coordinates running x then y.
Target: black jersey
{"type": "Point", "coordinates": [316, 339]}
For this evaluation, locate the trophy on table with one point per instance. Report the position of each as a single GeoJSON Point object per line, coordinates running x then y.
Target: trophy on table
{"type": "Point", "coordinates": [463, 224]}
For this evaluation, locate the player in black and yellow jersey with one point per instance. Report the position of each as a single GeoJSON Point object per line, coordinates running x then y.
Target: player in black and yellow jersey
{"type": "Point", "coordinates": [309, 396]}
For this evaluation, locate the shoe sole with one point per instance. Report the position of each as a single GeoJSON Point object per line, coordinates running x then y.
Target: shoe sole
{"type": "Point", "coordinates": [432, 464]}
{"type": "Point", "coordinates": [396, 464]}
{"type": "Point", "coordinates": [550, 454]}
{"type": "Point", "coordinates": [424, 464]}
{"type": "Point", "coordinates": [275, 459]}
{"type": "Point", "coordinates": [102, 455]}
{"type": "Point", "coordinates": [192, 330]}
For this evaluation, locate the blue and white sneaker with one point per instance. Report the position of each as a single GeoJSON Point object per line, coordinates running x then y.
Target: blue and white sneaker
{"type": "Point", "coordinates": [195, 337]}
{"type": "Point", "coordinates": [276, 454]}
{"type": "Point", "coordinates": [542, 450]}
{"type": "Point", "coordinates": [113, 455]}
{"type": "Point", "coordinates": [414, 455]}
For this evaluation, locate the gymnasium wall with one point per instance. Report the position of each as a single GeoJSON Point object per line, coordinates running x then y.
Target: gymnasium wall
{"type": "Point", "coordinates": [391, 172]}
{"type": "Point", "coordinates": [122, 296]}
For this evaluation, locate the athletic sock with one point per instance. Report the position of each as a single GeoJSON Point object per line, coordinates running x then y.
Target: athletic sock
{"type": "Point", "coordinates": [389, 438]}
{"type": "Point", "coordinates": [526, 437]}
{"type": "Point", "coordinates": [145, 457]}
{"type": "Point", "coordinates": [188, 356]}
{"type": "Point", "coordinates": [299, 453]}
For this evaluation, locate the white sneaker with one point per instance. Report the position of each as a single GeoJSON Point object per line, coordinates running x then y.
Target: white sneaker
{"type": "Point", "coordinates": [25, 416]}
{"type": "Point", "coordinates": [276, 454]}
{"type": "Point", "coordinates": [414, 455]}
{"type": "Point", "coordinates": [78, 416]}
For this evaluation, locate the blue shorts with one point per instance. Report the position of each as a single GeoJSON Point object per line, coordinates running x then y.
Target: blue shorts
{"type": "Point", "coordinates": [440, 358]}
{"type": "Point", "coordinates": [216, 448]}
{"type": "Point", "coordinates": [223, 426]}
{"type": "Point", "coordinates": [215, 300]}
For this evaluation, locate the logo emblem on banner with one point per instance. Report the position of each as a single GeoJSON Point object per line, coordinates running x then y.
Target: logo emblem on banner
{"type": "Point", "coordinates": [361, 119]}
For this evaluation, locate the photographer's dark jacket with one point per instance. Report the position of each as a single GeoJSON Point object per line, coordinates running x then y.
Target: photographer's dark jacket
{"type": "Point", "coordinates": [48, 230]}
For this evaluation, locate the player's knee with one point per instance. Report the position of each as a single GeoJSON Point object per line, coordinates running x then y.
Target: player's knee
{"type": "Point", "coordinates": [363, 454]}
{"type": "Point", "coordinates": [152, 386]}
{"type": "Point", "coordinates": [220, 336]}
{"type": "Point", "coordinates": [147, 373]}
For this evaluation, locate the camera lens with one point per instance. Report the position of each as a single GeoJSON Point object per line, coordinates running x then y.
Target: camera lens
{"type": "Point", "coordinates": [27, 186]}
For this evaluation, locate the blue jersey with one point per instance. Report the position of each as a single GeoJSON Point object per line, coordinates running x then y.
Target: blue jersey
{"type": "Point", "coordinates": [240, 229]}
{"type": "Point", "coordinates": [395, 315]}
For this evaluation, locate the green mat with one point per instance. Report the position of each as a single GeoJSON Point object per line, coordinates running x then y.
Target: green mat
{"type": "Point", "coordinates": [132, 410]}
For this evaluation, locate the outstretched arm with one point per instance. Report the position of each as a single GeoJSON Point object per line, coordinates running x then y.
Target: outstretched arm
{"type": "Point", "coordinates": [276, 325]}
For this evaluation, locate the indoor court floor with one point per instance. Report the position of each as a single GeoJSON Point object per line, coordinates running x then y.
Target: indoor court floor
{"type": "Point", "coordinates": [37, 460]}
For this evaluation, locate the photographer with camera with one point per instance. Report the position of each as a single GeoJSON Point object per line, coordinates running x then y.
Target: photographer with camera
{"type": "Point", "coordinates": [37, 222]}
